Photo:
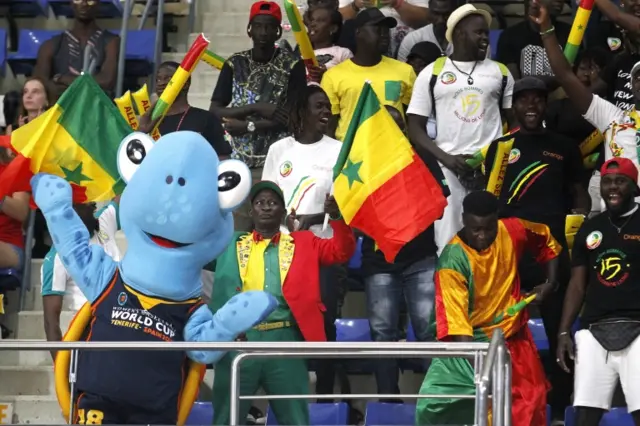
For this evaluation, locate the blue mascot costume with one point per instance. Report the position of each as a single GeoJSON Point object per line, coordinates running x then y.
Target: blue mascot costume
{"type": "Point", "coordinates": [176, 213]}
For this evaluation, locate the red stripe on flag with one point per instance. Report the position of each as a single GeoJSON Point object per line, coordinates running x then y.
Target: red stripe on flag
{"type": "Point", "coordinates": [401, 209]}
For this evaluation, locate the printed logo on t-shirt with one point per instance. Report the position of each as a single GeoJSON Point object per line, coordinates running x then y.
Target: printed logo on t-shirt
{"type": "Point", "coordinates": [448, 77]}
{"type": "Point", "coordinates": [613, 267]}
{"type": "Point", "coordinates": [286, 168]}
{"type": "Point", "coordinates": [614, 43]}
{"type": "Point", "coordinates": [143, 320]}
{"type": "Point", "coordinates": [514, 155]}
{"type": "Point", "coordinates": [471, 108]}
{"type": "Point", "coordinates": [122, 298]}
{"type": "Point", "coordinates": [594, 239]}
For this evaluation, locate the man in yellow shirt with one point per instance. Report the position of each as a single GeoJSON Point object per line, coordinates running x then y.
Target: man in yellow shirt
{"type": "Point", "coordinates": [391, 80]}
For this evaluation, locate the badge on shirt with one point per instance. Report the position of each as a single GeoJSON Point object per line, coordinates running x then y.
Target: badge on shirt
{"type": "Point", "coordinates": [614, 43]}
{"type": "Point", "coordinates": [594, 239]}
{"type": "Point", "coordinates": [286, 168]}
{"type": "Point", "coordinates": [122, 298]}
{"type": "Point", "coordinates": [448, 77]}
{"type": "Point", "coordinates": [514, 155]}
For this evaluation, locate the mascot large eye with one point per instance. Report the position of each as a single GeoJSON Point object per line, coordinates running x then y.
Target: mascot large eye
{"type": "Point", "coordinates": [234, 183]}
{"type": "Point", "coordinates": [133, 149]}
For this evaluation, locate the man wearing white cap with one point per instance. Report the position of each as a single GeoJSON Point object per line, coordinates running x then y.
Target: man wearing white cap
{"type": "Point", "coordinates": [467, 93]}
{"type": "Point", "coordinates": [619, 128]}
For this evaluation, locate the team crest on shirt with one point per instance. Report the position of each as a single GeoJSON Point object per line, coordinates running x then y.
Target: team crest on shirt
{"type": "Point", "coordinates": [122, 298]}
{"type": "Point", "coordinates": [514, 155]}
{"type": "Point", "coordinates": [448, 77]}
{"type": "Point", "coordinates": [614, 43]}
{"type": "Point", "coordinates": [286, 168]}
{"type": "Point", "coordinates": [594, 239]}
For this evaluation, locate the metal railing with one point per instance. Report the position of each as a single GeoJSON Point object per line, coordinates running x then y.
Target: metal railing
{"type": "Point", "coordinates": [157, 54]}
{"type": "Point", "coordinates": [491, 362]}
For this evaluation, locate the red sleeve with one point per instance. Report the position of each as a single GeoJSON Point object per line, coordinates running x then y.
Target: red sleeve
{"type": "Point", "coordinates": [338, 249]}
{"type": "Point", "coordinates": [533, 237]}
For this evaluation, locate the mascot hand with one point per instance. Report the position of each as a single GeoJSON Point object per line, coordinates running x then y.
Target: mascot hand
{"type": "Point", "coordinates": [245, 310]}
{"type": "Point", "coordinates": [51, 192]}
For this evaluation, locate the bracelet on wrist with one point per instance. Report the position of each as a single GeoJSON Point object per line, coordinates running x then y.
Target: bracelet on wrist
{"type": "Point", "coordinates": [547, 32]}
{"type": "Point", "coordinates": [564, 333]}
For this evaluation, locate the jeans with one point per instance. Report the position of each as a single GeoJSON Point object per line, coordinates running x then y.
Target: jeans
{"type": "Point", "coordinates": [384, 293]}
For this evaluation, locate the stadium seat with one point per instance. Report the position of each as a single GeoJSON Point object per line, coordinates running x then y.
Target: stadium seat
{"type": "Point", "coordinates": [385, 414]}
{"type": "Point", "coordinates": [3, 51]}
{"type": "Point", "coordinates": [616, 417]}
{"type": "Point", "coordinates": [29, 42]}
{"type": "Point", "coordinates": [9, 279]}
{"type": "Point", "coordinates": [356, 260]}
{"type": "Point", "coordinates": [108, 8]}
{"type": "Point", "coordinates": [539, 334]}
{"type": "Point", "coordinates": [329, 414]}
{"type": "Point", "coordinates": [353, 330]}
{"type": "Point", "coordinates": [28, 8]}
{"type": "Point", "coordinates": [201, 414]}
{"type": "Point", "coordinates": [494, 36]}
{"type": "Point", "coordinates": [138, 52]}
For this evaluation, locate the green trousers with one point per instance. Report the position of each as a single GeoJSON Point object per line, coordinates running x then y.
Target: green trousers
{"type": "Point", "coordinates": [287, 376]}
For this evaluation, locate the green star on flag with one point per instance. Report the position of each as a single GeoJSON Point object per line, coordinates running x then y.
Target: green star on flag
{"type": "Point", "coordinates": [580, 27]}
{"type": "Point", "coordinates": [75, 175]}
{"type": "Point", "coordinates": [352, 172]}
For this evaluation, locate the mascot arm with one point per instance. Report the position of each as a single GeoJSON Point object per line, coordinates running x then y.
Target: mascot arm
{"type": "Point", "coordinates": [89, 266]}
{"type": "Point", "coordinates": [239, 314]}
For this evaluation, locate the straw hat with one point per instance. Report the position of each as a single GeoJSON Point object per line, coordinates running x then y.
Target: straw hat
{"type": "Point", "coordinates": [462, 12]}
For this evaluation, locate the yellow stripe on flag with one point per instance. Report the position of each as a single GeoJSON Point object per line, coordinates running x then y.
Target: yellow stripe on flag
{"type": "Point", "coordinates": [48, 145]}
{"type": "Point", "coordinates": [372, 166]}
{"type": "Point", "coordinates": [581, 19]}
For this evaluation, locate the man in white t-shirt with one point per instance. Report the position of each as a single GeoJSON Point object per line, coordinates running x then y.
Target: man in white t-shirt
{"type": "Point", "coordinates": [58, 289]}
{"type": "Point", "coordinates": [439, 11]}
{"type": "Point", "coordinates": [468, 95]}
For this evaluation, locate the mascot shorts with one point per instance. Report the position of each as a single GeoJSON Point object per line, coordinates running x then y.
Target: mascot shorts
{"type": "Point", "coordinates": [94, 409]}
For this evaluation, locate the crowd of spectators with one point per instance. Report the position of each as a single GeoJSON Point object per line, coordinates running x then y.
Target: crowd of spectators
{"type": "Point", "coordinates": [431, 65]}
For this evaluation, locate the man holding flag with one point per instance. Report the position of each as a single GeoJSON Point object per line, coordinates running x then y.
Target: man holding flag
{"type": "Point", "coordinates": [478, 292]}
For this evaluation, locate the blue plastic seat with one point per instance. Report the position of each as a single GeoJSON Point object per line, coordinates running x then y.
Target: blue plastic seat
{"type": "Point", "coordinates": [385, 414]}
{"type": "Point", "coordinates": [356, 260]}
{"type": "Point", "coordinates": [616, 417]}
{"type": "Point", "coordinates": [10, 279]}
{"type": "Point", "coordinates": [539, 334]}
{"type": "Point", "coordinates": [3, 51]}
{"type": "Point", "coordinates": [331, 414]}
{"type": "Point", "coordinates": [28, 8]}
{"type": "Point", "coordinates": [494, 35]}
{"type": "Point", "coordinates": [29, 42]}
{"type": "Point", "coordinates": [139, 53]}
{"type": "Point", "coordinates": [107, 8]}
{"type": "Point", "coordinates": [353, 330]}
{"type": "Point", "coordinates": [201, 414]}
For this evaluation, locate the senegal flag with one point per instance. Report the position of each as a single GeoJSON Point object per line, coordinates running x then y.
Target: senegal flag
{"type": "Point", "coordinates": [77, 139]}
{"type": "Point", "coordinates": [381, 185]}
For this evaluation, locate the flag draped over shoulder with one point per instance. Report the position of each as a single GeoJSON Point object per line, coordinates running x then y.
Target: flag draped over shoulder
{"type": "Point", "coordinates": [381, 185]}
{"type": "Point", "coordinates": [76, 139]}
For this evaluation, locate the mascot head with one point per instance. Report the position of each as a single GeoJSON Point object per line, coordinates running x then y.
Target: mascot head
{"type": "Point", "coordinates": [176, 210]}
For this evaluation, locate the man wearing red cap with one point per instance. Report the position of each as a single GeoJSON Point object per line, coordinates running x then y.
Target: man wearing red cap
{"type": "Point", "coordinates": [605, 284]}
{"type": "Point", "coordinates": [248, 82]}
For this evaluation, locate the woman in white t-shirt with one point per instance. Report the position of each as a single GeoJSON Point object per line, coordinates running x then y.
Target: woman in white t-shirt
{"type": "Point", "coordinates": [325, 25]}
{"type": "Point", "coordinates": [59, 292]}
{"type": "Point", "coordinates": [302, 165]}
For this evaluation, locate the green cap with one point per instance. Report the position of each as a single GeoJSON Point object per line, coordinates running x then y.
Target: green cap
{"type": "Point", "coordinates": [266, 184]}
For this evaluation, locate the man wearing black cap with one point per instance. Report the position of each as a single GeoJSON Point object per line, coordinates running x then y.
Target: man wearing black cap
{"type": "Point", "coordinates": [605, 291]}
{"type": "Point", "coordinates": [247, 82]}
{"type": "Point", "coordinates": [288, 267]}
{"type": "Point", "coordinates": [391, 80]}
{"type": "Point", "coordinates": [543, 172]}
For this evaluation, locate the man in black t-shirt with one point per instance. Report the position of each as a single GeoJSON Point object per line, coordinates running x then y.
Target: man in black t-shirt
{"type": "Point", "coordinates": [605, 283]}
{"type": "Point", "coordinates": [520, 46]}
{"type": "Point", "coordinates": [182, 116]}
{"type": "Point", "coordinates": [543, 172]}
